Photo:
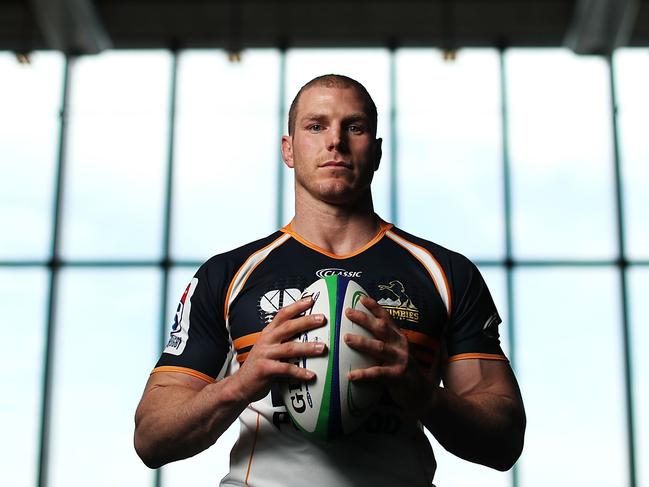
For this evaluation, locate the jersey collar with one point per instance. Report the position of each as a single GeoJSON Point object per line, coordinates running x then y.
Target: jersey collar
{"type": "Point", "coordinates": [384, 227]}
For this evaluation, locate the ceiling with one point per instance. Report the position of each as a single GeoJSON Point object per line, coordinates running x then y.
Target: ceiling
{"type": "Point", "coordinates": [87, 26]}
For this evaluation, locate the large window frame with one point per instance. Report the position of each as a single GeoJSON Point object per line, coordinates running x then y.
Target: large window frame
{"type": "Point", "coordinates": [509, 263]}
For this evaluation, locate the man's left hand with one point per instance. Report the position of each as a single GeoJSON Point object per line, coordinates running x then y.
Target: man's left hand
{"type": "Point", "coordinates": [410, 387]}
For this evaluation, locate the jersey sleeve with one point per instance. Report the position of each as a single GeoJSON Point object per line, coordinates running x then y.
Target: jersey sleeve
{"type": "Point", "coordinates": [473, 328]}
{"type": "Point", "coordinates": [199, 343]}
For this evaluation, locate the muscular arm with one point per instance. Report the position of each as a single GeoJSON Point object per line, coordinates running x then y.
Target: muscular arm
{"type": "Point", "coordinates": [180, 415]}
{"type": "Point", "coordinates": [479, 414]}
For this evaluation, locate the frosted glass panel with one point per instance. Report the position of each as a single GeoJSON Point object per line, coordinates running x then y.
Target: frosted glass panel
{"type": "Point", "coordinates": [116, 155]}
{"type": "Point", "coordinates": [450, 156]}
{"type": "Point", "coordinates": [227, 151]}
{"type": "Point", "coordinates": [105, 350]}
{"type": "Point", "coordinates": [632, 70]}
{"type": "Point", "coordinates": [561, 155]}
{"type": "Point", "coordinates": [639, 307]}
{"type": "Point", "coordinates": [23, 300]}
{"type": "Point", "coordinates": [570, 368]}
{"type": "Point", "coordinates": [30, 100]}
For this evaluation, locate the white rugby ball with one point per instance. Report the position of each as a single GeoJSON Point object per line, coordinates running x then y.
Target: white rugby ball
{"type": "Point", "coordinates": [332, 406]}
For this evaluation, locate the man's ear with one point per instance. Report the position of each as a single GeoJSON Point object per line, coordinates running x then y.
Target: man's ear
{"type": "Point", "coordinates": [287, 150]}
{"type": "Point", "coordinates": [378, 152]}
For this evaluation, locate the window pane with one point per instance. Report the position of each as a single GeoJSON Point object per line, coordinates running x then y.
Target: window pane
{"type": "Point", "coordinates": [30, 97]}
{"type": "Point", "coordinates": [561, 155]}
{"type": "Point", "coordinates": [210, 466]}
{"type": "Point", "coordinates": [227, 151]}
{"type": "Point", "coordinates": [450, 157]}
{"type": "Point", "coordinates": [24, 294]}
{"type": "Point", "coordinates": [639, 306]}
{"type": "Point", "coordinates": [105, 349]}
{"type": "Point", "coordinates": [116, 155]}
{"type": "Point", "coordinates": [632, 70]}
{"type": "Point", "coordinates": [451, 470]}
{"type": "Point", "coordinates": [370, 67]}
{"type": "Point", "coordinates": [569, 362]}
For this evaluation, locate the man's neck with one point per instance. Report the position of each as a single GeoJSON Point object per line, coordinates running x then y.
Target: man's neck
{"type": "Point", "coordinates": [340, 230]}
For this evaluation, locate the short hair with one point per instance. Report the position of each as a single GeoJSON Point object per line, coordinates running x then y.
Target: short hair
{"type": "Point", "coordinates": [335, 81]}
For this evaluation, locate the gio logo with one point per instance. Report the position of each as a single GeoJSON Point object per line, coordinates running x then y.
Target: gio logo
{"type": "Point", "coordinates": [337, 272]}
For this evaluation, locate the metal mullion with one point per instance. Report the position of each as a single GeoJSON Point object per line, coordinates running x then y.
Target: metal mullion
{"type": "Point", "coordinates": [54, 265]}
{"type": "Point", "coordinates": [281, 113]}
{"type": "Point", "coordinates": [509, 262]}
{"type": "Point", "coordinates": [394, 187]}
{"type": "Point", "coordinates": [195, 263]}
{"type": "Point", "coordinates": [166, 262]}
{"type": "Point", "coordinates": [622, 268]}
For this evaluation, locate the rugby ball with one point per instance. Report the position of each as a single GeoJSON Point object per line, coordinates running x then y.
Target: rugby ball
{"type": "Point", "coordinates": [331, 406]}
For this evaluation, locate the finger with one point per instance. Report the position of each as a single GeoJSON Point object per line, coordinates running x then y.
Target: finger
{"type": "Point", "coordinates": [292, 310]}
{"type": "Point", "coordinates": [369, 346]}
{"type": "Point", "coordinates": [290, 350]}
{"type": "Point", "coordinates": [373, 307]}
{"type": "Point", "coordinates": [374, 325]}
{"type": "Point", "coordinates": [377, 372]}
{"type": "Point", "coordinates": [360, 318]}
{"type": "Point", "coordinates": [292, 369]}
{"type": "Point", "coordinates": [291, 328]}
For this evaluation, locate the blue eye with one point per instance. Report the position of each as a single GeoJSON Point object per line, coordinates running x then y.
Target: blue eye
{"type": "Point", "coordinates": [316, 127]}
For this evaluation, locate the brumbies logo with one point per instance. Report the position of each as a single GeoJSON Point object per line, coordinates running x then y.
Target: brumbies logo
{"type": "Point", "coordinates": [397, 302]}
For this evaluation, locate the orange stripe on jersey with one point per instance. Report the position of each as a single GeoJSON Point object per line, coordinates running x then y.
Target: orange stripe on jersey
{"type": "Point", "coordinates": [184, 370]}
{"type": "Point", "coordinates": [242, 357]}
{"type": "Point", "coordinates": [384, 228]}
{"type": "Point", "coordinates": [252, 452]}
{"type": "Point", "coordinates": [481, 356]}
{"type": "Point", "coordinates": [248, 269]}
{"type": "Point", "coordinates": [246, 341]}
{"type": "Point", "coordinates": [421, 339]}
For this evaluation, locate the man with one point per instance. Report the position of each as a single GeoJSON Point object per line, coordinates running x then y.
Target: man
{"type": "Point", "coordinates": [433, 317]}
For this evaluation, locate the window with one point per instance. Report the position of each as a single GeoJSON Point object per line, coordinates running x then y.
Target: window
{"type": "Point", "coordinates": [509, 157]}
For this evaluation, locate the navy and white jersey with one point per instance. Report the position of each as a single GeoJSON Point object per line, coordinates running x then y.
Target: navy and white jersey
{"type": "Point", "coordinates": [437, 297]}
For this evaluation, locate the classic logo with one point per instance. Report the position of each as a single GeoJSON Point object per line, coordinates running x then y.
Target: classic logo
{"type": "Point", "coordinates": [397, 302]}
{"type": "Point", "coordinates": [337, 272]}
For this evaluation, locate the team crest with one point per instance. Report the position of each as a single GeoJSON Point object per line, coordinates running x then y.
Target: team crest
{"type": "Point", "coordinates": [271, 302]}
{"type": "Point", "coordinates": [395, 300]}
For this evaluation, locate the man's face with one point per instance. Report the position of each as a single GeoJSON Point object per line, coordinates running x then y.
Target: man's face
{"type": "Point", "coordinates": [332, 150]}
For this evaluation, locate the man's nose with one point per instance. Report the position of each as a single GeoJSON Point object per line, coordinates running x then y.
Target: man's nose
{"type": "Point", "coordinates": [337, 139]}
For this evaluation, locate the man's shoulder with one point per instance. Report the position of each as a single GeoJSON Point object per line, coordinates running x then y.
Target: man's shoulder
{"type": "Point", "coordinates": [238, 256]}
{"type": "Point", "coordinates": [445, 256]}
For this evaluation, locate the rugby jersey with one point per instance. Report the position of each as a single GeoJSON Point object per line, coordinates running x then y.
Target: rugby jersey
{"type": "Point", "coordinates": [437, 297]}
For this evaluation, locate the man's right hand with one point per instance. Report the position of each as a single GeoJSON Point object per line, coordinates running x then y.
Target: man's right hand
{"type": "Point", "coordinates": [267, 360]}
